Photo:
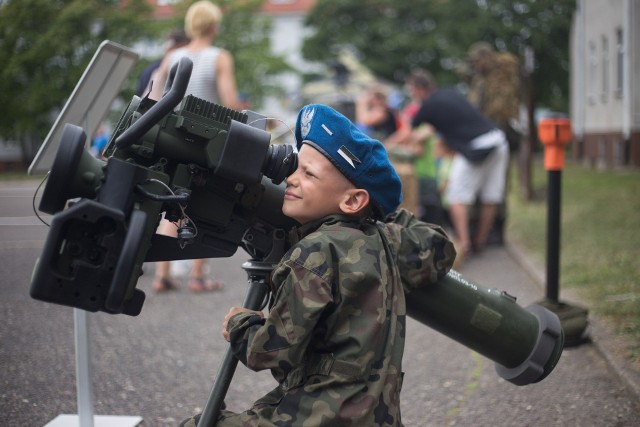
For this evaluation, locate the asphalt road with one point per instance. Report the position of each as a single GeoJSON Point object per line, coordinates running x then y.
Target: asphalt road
{"type": "Point", "coordinates": [161, 364]}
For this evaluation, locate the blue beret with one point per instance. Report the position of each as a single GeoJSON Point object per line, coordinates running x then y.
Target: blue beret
{"type": "Point", "coordinates": [362, 159]}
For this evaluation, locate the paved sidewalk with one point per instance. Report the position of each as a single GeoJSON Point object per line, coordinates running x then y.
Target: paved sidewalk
{"type": "Point", "coordinates": [609, 346]}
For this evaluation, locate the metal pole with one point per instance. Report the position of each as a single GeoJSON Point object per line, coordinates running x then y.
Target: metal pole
{"type": "Point", "coordinates": [259, 273]}
{"type": "Point", "coordinates": [553, 234]}
{"type": "Point", "coordinates": [555, 134]}
{"type": "Point", "coordinates": [83, 376]}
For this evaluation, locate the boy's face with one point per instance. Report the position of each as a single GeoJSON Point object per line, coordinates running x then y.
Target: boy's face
{"type": "Point", "coordinates": [315, 189]}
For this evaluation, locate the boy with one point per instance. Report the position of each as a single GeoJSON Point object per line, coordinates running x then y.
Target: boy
{"type": "Point", "coordinates": [334, 336]}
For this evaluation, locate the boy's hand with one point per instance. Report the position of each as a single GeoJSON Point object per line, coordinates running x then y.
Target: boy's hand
{"type": "Point", "coordinates": [231, 313]}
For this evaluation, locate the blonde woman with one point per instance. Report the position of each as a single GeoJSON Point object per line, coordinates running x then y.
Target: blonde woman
{"type": "Point", "coordinates": [212, 79]}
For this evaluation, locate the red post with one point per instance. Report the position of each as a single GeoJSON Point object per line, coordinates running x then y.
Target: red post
{"type": "Point", "coordinates": [555, 134]}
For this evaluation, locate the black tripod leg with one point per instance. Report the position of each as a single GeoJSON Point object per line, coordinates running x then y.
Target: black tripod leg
{"type": "Point", "coordinates": [258, 290]}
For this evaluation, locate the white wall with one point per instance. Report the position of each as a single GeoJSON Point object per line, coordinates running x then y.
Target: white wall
{"type": "Point", "coordinates": [596, 103]}
{"type": "Point", "coordinates": [286, 40]}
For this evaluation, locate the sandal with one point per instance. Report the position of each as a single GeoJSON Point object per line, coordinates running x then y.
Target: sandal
{"type": "Point", "coordinates": [201, 284]}
{"type": "Point", "coordinates": [163, 284]}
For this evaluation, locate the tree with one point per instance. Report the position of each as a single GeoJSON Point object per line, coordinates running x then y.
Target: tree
{"type": "Point", "coordinates": [44, 48]}
{"type": "Point", "coordinates": [389, 37]}
{"type": "Point", "coordinates": [46, 45]}
{"type": "Point", "coordinates": [393, 36]}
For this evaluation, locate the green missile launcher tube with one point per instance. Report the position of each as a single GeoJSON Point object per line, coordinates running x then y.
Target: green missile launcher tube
{"type": "Point", "coordinates": [524, 343]}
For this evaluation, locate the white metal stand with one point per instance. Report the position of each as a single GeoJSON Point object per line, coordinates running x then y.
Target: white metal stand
{"type": "Point", "coordinates": [85, 417]}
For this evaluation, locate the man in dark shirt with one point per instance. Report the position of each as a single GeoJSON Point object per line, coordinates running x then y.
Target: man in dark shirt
{"type": "Point", "coordinates": [479, 163]}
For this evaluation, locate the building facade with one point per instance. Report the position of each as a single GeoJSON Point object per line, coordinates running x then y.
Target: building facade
{"type": "Point", "coordinates": [286, 38]}
{"type": "Point", "coordinates": [605, 90]}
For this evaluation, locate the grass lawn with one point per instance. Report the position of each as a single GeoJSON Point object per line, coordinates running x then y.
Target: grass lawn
{"type": "Point", "coordinates": [599, 242]}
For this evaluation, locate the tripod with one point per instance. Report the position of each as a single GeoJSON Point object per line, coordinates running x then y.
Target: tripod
{"type": "Point", "coordinates": [258, 273]}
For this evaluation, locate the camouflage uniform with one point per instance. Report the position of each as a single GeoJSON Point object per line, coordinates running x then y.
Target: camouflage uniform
{"type": "Point", "coordinates": [334, 337]}
{"type": "Point", "coordinates": [496, 92]}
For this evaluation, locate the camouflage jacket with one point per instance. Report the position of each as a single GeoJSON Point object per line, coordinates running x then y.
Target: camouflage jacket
{"type": "Point", "coordinates": [334, 336]}
{"type": "Point", "coordinates": [497, 93]}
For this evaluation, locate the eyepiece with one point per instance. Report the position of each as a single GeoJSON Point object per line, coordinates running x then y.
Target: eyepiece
{"type": "Point", "coordinates": [280, 162]}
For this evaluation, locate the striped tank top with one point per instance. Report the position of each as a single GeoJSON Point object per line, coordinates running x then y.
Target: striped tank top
{"type": "Point", "coordinates": [203, 76]}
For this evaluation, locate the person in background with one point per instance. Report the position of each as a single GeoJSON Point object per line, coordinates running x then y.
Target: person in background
{"type": "Point", "coordinates": [495, 88]}
{"type": "Point", "coordinates": [99, 141]}
{"type": "Point", "coordinates": [176, 38]}
{"type": "Point", "coordinates": [334, 335]}
{"type": "Point", "coordinates": [212, 79]}
{"type": "Point", "coordinates": [420, 147]}
{"type": "Point", "coordinates": [478, 168]}
{"type": "Point", "coordinates": [374, 116]}
{"type": "Point", "coordinates": [212, 76]}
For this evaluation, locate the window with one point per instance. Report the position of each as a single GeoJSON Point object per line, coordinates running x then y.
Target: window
{"type": "Point", "coordinates": [619, 63]}
{"type": "Point", "coordinates": [605, 69]}
{"type": "Point", "coordinates": [593, 70]}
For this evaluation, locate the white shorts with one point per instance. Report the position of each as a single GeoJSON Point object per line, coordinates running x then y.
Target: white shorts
{"type": "Point", "coordinates": [486, 180]}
